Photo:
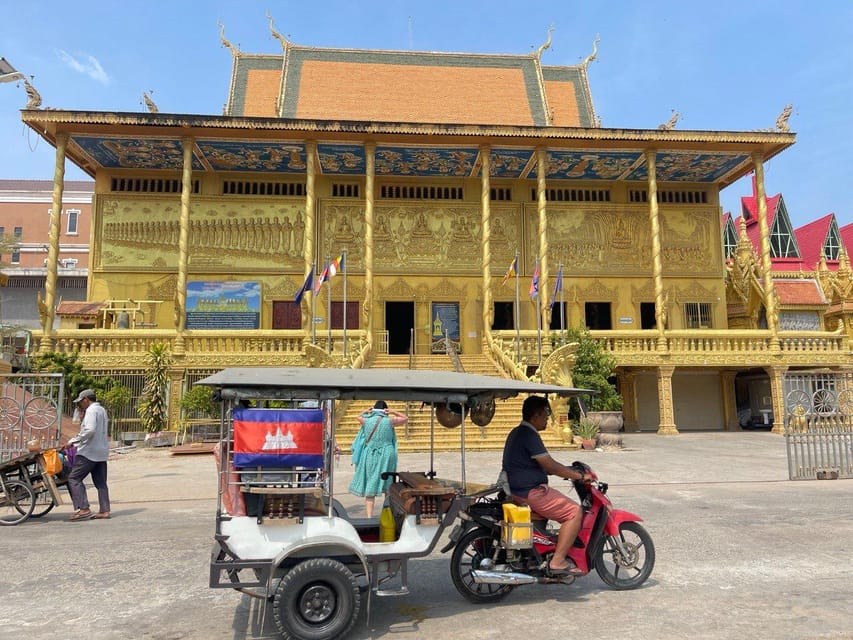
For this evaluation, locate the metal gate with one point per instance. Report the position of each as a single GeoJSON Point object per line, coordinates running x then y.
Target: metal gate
{"type": "Point", "coordinates": [819, 425]}
{"type": "Point", "coordinates": [30, 409]}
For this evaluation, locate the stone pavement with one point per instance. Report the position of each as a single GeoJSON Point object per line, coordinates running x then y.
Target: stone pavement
{"type": "Point", "coordinates": [741, 553]}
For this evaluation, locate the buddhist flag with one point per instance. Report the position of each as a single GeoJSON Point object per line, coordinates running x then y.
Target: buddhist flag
{"type": "Point", "coordinates": [337, 265]}
{"type": "Point", "coordinates": [278, 438]}
{"type": "Point", "coordinates": [306, 286]}
{"type": "Point", "coordinates": [534, 283]}
{"type": "Point", "coordinates": [323, 277]}
{"type": "Point", "coordinates": [558, 286]}
{"type": "Point", "coordinates": [512, 271]}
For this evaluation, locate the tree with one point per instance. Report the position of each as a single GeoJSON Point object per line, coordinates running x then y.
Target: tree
{"type": "Point", "coordinates": [593, 370]}
{"type": "Point", "coordinates": [153, 407]}
{"type": "Point", "coordinates": [113, 395]}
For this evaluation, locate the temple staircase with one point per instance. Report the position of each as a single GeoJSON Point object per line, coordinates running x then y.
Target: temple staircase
{"type": "Point", "coordinates": [415, 437]}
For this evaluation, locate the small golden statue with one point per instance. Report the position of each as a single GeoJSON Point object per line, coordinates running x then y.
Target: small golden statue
{"type": "Point", "coordinates": [34, 97]}
{"type": "Point", "coordinates": [669, 125]}
{"type": "Point", "coordinates": [149, 103]}
{"type": "Point", "coordinates": [782, 120]}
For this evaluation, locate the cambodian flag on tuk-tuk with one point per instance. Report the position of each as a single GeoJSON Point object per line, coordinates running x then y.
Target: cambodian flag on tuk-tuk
{"type": "Point", "coordinates": [278, 438]}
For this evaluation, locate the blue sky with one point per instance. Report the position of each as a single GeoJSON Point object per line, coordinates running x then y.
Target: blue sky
{"type": "Point", "coordinates": [727, 65]}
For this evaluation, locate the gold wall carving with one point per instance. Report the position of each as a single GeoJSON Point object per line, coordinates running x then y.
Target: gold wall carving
{"type": "Point", "coordinates": [142, 234]}
{"type": "Point", "coordinates": [597, 292]}
{"type": "Point", "coordinates": [415, 237]}
{"type": "Point", "coordinates": [601, 239]}
{"type": "Point", "coordinates": [695, 292]}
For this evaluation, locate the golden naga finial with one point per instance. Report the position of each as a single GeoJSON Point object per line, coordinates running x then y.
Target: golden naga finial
{"type": "Point", "coordinates": [285, 43]}
{"type": "Point", "coordinates": [34, 101]}
{"type": "Point", "coordinates": [149, 103]}
{"type": "Point", "coordinates": [235, 51]}
{"type": "Point", "coordinates": [586, 61]}
{"type": "Point", "coordinates": [669, 125]}
{"type": "Point", "coordinates": [782, 120]}
{"type": "Point", "coordinates": [546, 45]}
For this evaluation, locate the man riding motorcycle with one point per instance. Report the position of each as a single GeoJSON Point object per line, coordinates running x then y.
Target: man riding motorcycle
{"type": "Point", "coordinates": [528, 464]}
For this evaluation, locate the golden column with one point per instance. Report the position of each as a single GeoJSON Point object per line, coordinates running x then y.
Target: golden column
{"type": "Point", "coordinates": [727, 389]}
{"type": "Point", "coordinates": [777, 396]}
{"type": "Point", "coordinates": [176, 392]}
{"type": "Point", "coordinates": [183, 248]}
{"type": "Point", "coordinates": [657, 262]}
{"type": "Point", "coordinates": [667, 412]}
{"type": "Point", "coordinates": [308, 251]}
{"type": "Point", "coordinates": [53, 247]}
{"type": "Point", "coordinates": [766, 265]}
{"type": "Point", "coordinates": [628, 391]}
{"type": "Point", "coordinates": [370, 174]}
{"type": "Point", "coordinates": [485, 245]}
{"type": "Point", "coordinates": [542, 210]}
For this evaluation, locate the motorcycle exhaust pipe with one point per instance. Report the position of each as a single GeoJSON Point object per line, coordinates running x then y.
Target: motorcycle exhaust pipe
{"type": "Point", "coordinates": [498, 577]}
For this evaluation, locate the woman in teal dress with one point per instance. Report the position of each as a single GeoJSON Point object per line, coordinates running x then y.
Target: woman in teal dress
{"type": "Point", "coordinates": [379, 455]}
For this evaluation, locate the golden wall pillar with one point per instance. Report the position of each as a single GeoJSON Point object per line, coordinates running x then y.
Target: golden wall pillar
{"type": "Point", "coordinates": [657, 261]}
{"type": "Point", "coordinates": [667, 411]}
{"type": "Point", "coordinates": [542, 210]}
{"type": "Point", "coordinates": [308, 249]}
{"type": "Point", "coordinates": [777, 397]}
{"type": "Point", "coordinates": [369, 186]}
{"type": "Point", "coordinates": [727, 390]}
{"type": "Point", "coordinates": [485, 245]}
{"type": "Point", "coordinates": [49, 312]}
{"type": "Point", "coordinates": [628, 391]}
{"type": "Point", "coordinates": [183, 247]}
{"type": "Point", "coordinates": [176, 392]}
{"type": "Point", "coordinates": [766, 265]}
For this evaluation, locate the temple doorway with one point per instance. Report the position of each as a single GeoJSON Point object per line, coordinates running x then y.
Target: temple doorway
{"type": "Point", "coordinates": [504, 319]}
{"type": "Point", "coordinates": [399, 322]}
{"type": "Point", "coordinates": [286, 315]}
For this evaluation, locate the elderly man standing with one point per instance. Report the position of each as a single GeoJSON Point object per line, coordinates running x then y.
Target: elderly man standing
{"type": "Point", "coordinates": [92, 452]}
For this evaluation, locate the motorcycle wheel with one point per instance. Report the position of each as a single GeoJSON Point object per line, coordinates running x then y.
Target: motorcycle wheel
{"type": "Point", "coordinates": [469, 552]}
{"type": "Point", "coordinates": [629, 571]}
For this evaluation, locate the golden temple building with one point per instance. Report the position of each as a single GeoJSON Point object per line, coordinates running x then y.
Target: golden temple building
{"type": "Point", "coordinates": [430, 173]}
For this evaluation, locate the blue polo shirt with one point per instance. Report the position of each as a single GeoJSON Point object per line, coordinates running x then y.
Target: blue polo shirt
{"type": "Point", "coordinates": [523, 472]}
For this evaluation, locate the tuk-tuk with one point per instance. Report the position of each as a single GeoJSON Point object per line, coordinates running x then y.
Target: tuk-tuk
{"type": "Point", "coordinates": [281, 534]}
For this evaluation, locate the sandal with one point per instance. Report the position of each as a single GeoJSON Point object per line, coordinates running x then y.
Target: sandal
{"type": "Point", "coordinates": [566, 571]}
{"type": "Point", "coordinates": [101, 515]}
{"type": "Point", "coordinates": [82, 514]}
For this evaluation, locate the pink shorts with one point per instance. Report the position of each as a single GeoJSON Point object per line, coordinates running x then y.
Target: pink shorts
{"type": "Point", "coordinates": [551, 504]}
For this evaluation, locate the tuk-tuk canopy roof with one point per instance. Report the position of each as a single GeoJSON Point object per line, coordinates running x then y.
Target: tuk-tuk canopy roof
{"type": "Point", "coordinates": [370, 384]}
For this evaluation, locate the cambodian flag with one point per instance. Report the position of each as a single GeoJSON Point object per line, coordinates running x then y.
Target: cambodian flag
{"type": "Point", "coordinates": [534, 283]}
{"type": "Point", "coordinates": [278, 438]}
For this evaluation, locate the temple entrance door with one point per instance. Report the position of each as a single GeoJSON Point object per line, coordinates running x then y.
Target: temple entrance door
{"type": "Point", "coordinates": [399, 322]}
{"type": "Point", "coordinates": [286, 315]}
{"type": "Point", "coordinates": [504, 319]}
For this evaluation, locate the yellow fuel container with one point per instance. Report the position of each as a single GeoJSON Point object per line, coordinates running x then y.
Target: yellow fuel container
{"type": "Point", "coordinates": [387, 526]}
{"type": "Point", "coordinates": [516, 529]}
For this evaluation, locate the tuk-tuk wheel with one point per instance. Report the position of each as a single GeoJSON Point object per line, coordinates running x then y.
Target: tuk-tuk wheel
{"type": "Point", "coordinates": [316, 600]}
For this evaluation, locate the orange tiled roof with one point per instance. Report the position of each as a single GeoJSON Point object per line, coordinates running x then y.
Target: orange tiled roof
{"type": "Point", "coordinates": [799, 292]}
{"type": "Point", "coordinates": [415, 87]}
{"type": "Point", "coordinates": [71, 308]}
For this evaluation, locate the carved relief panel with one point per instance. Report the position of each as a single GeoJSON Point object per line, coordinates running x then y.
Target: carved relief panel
{"type": "Point", "coordinates": [420, 238]}
{"type": "Point", "coordinates": [143, 234]}
{"type": "Point", "coordinates": [614, 239]}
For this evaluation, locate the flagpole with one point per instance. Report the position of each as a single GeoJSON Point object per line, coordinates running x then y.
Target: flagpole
{"type": "Point", "coordinates": [517, 312]}
{"type": "Point", "coordinates": [329, 309]}
{"type": "Point", "coordinates": [313, 309]}
{"type": "Point", "coordinates": [538, 317]}
{"type": "Point", "coordinates": [344, 265]}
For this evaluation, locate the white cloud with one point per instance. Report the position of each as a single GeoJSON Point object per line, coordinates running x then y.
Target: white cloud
{"type": "Point", "coordinates": [91, 67]}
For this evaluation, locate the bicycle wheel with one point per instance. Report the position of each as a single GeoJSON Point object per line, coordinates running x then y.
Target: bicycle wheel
{"type": "Point", "coordinates": [42, 503]}
{"type": "Point", "coordinates": [16, 502]}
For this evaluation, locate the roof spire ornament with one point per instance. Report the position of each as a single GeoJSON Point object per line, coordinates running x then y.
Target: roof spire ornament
{"type": "Point", "coordinates": [235, 51]}
{"type": "Point", "coordinates": [546, 45]}
{"type": "Point", "coordinates": [669, 125]}
{"type": "Point", "coordinates": [782, 120]}
{"type": "Point", "coordinates": [592, 56]}
{"type": "Point", "coordinates": [34, 97]}
{"type": "Point", "coordinates": [149, 103]}
{"type": "Point", "coordinates": [285, 43]}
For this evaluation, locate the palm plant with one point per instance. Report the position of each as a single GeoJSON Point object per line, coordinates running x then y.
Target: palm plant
{"type": "Point", "coordinates": [153, 407]}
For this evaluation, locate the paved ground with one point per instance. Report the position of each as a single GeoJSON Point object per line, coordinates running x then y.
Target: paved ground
{"type": "Point", "coordinates": [741, 553]}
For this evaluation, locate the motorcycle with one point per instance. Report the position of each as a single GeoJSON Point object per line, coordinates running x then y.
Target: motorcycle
{"type": "Point", "coordinates": [492, 556]}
